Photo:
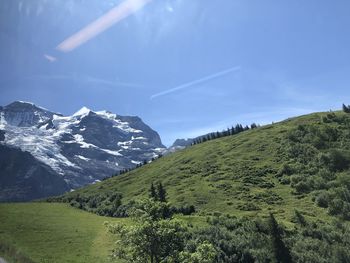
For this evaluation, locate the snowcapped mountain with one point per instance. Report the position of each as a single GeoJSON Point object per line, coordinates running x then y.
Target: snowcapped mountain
{"type": "Point", "coordinates": [82, 148]}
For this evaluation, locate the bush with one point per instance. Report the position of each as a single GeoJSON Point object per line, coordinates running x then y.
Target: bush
{"type": "Point", "coordinates": [285, 180]}
{"type": "Point", "coordinates": [104, 204]}
{"type": "Point", "coordinates": [335, 206]}
{"type": "Point", "coordinates": [286, 169]}
{"type": "Point", "coordinates": [322, 200]}
{"type": "Point", "coordinates": [185, 210]}
{"type": "Point", "coordinates": [336, 160]}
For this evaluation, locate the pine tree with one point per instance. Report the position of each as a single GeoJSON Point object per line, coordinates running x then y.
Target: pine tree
{"type": "Point", "coordinates": [282, 253]}
{"type": "Point", "coordinates": [161, 193]}
{"type": "Point", "coordinates": [153, 193]}
{"type": "Point", "coordinates": [346, 109]}
{"type": "Point", "coordinates": [253, 125]}
{"type": "Point", "coordinates": [238, 128]}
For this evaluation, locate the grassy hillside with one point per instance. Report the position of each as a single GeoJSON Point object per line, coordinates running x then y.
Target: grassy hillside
{"type": "Point", "coordinates": [55, 232]}
{"type": "Point", "coordinates": [242, 174]}
{"type": "Point", "coordinates": [298, 169]}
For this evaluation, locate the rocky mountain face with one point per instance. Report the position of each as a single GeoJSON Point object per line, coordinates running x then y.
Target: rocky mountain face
{"type": "Point", "coordinates": [24, 178]}
{"type": "Point", "coordinates": [79, 149]}
{"type": "Point", "coordinates": [180, 144]}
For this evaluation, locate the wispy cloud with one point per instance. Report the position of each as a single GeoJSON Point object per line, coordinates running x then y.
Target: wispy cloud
{"type": "Point", "coordinates": [88, 79]}
{"type": "Point", "coordinates": [196, 82]}
{"type": "Point", "coordinates": [112, 17]}
{"type": "Point", "coordinates": [50, 58]}
{"type": "Point", "coordinates": [112, 83]}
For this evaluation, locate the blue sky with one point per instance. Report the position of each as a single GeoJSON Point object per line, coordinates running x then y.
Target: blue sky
{"type": "Point", "coordinates": [289, 58]}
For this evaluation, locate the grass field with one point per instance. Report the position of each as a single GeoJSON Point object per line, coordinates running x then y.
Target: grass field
{"type": "Point", "coordinates": [235, 175]}
{"type": "Point", "coordinates": [226, 175]}
{"type": "Point", "coordinates": [55, 232]}
{"type": "Point", "coordinates": [51, 232]}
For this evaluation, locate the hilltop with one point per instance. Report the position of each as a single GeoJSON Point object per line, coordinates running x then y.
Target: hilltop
{"type": "Point", "coordinates": [276, 168]}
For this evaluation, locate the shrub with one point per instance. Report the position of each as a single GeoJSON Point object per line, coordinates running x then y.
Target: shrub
{"type": "Point", "coordinates": [336, 160]}
{"type": "Point", "coordinates": [322, 200]}
{"type": "Point", "coordinates": [335, 206]}
{"type": "Point", "coordinates": [286, 169]}
{"type": "Point", "coordinates": [285, 180]}
{"type": "Point", "coordinates": [185, 210]}
{"type": "Point", "coordinates": [302, 187]}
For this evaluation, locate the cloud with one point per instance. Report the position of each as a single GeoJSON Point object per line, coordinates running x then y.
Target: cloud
{"type": "Point", "coordinates": [196, 82]}
{"type": "Point", "coordinates": [95, 28]}
{"type": "Point", "coordinates": [50, 58]}
{"type": "Point", "coordinates": [88, 79]}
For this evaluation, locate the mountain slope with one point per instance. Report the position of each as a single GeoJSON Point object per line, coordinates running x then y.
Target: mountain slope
{"type": "Point", "coordinates": [298, 170]}
{"type": "Point", "coordinates": [81, 149]}
{"type": "Point", "coordinates": [24, 178]}
{"type": "Point", "coordinates": [246, 173]}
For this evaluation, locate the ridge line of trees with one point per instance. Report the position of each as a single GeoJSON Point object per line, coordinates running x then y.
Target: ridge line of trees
{"type": "Point", "coordinates": [346, 109]}
{"type": "Point", "coordinates": [228, 132]}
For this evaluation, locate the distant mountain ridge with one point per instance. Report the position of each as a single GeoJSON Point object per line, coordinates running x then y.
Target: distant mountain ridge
{"type": "Point", "coordinates": [80, 149]}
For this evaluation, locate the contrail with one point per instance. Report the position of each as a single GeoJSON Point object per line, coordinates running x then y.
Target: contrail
{"type": "Point", "coordinates": [112, 17]}
{"type": "Point", "coordinates": [196, 82]}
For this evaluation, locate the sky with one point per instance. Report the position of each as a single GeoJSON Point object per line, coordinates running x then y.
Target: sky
{"type": "Point", "coordinates": [186, 67]}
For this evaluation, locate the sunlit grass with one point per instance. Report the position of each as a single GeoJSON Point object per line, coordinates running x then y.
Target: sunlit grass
{"type": "Point", "coordinates": [56, 232]}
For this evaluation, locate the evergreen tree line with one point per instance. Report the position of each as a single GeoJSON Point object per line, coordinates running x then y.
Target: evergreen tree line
{"type": "Point", "coordinates": [158, 193]}
{"type": "Point", "coordinates": [230, 131]}
{"type": "Point", "coordinates": [210, 136]}
{"type": "Point", "coordinates": [126, 170]}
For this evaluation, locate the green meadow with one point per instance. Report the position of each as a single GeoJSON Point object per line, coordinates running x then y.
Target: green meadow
{"type": "Point", "coordinates": [55, 232]}
{"type": "Point", "coordinates": [300, 164]}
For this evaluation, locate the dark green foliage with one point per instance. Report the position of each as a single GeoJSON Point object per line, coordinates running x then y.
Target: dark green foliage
{"type": "Point", "coordinates": [336, 160]}
{"type": "Point", "coordinates": [286, 169]}
{"type": "Point", "coordinates": [323, 199]}
{"type": "Point", "coordinates": [299, 218]}
{"type": "Point", "coordinates": [253, 125]}
{"type": "Point", "coordinates": [346, 109]}
{"type": "Point", "coordinates": [185, 210]}
{"type": "Point", "coordinates": [318, 162]}
{"type": "Point", "coordinates": [158, 194]}
{"type": "Point", "coordinates": [104, 204]}
{"type": "Point", "coordinates": [230, 131]}
{"type": "Point", "coordinates": [282, 253]}
{"type": "Point", "coordinates": [153, 237]}
{"type": "Point", "coordinates": [255, 240]}
{"type": "Point", "coordinates": [152, 192]}
{"type": "Point", "coordinates": [236, 240]}
{"type": "Point", "coordinates": [161, 192]}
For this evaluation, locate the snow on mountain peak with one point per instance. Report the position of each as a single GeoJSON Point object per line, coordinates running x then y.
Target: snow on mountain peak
{"type": "Point", "coordinates": [78, 146]}
{"type": "Point", "coordinates": [83, 111]}
{"type": "Point", "coordinates": [25, 102]}
{"type": "Point", "coordinates": [107, 114]}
